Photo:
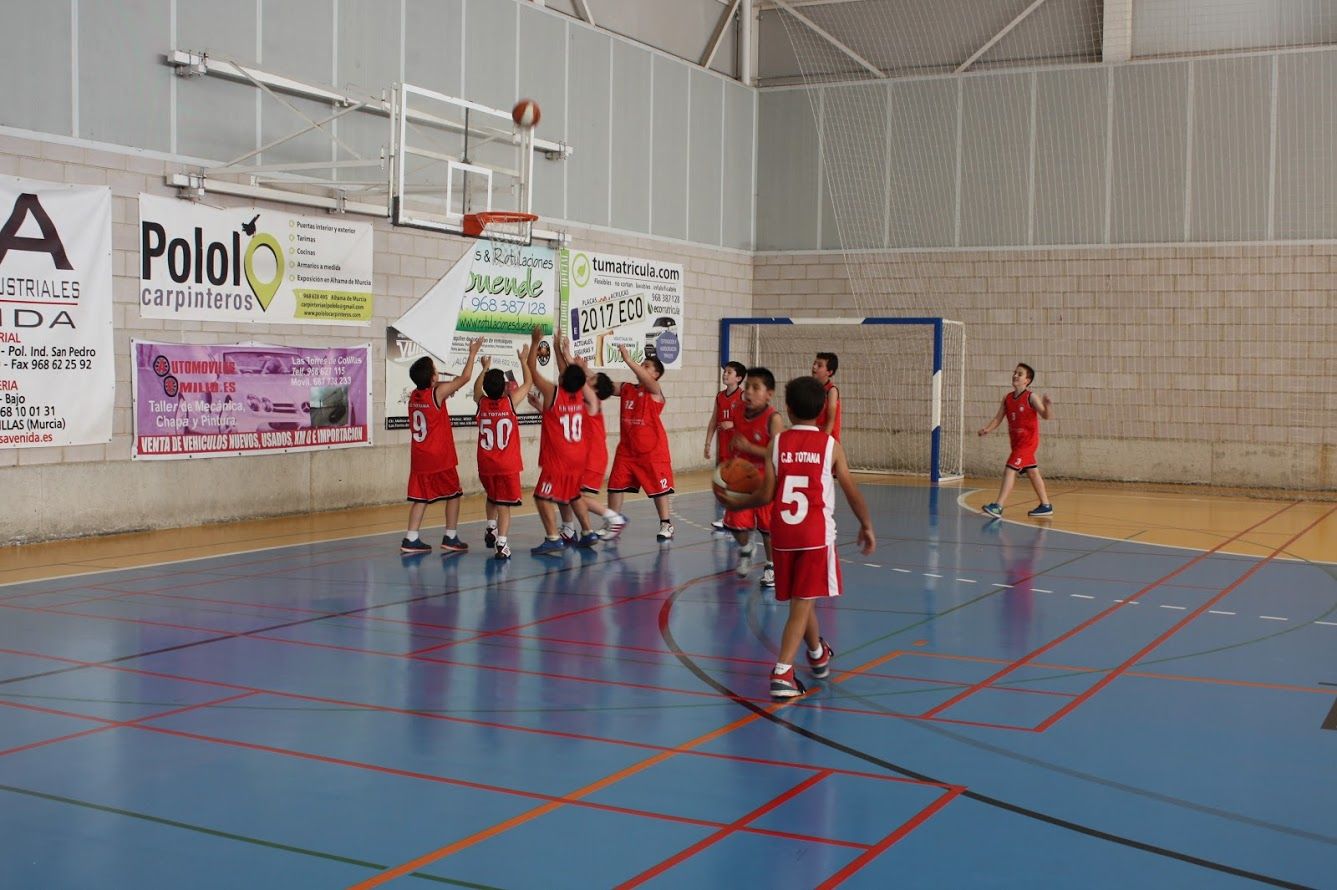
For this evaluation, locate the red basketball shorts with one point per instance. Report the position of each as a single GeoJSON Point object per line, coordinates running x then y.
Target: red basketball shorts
{"type": "Point", "coordinates": [563, 488]}
{"type": "Point", "coordinates": [758, 518]}
{"type": "Point", "coordinates": [806, 574]}
{"type": "Point", "coordinates": [654, 477]}
{"type": "Point", "coordinates": [502, 488]}
{"type": "Point", "coordinates": [439, 486]}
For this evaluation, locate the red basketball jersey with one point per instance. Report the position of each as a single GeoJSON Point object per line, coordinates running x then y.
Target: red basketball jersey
{"type": "Point", "coordinates": [596, 439]}
{"type": "Point", "coordinates": [433, 448]}
{"type": "Point", "coordinates": [498, 437]}
{"type": "Point", "coordinates": [728, 406]}
{"type": "Point", "coordinates": [803, 512]}
{"type": "Point", "coordinates": [562, 441]}
{"type": "Point", "coordinates": [642, 431]}
{"type": "Point", "coordinates": [1023, 424]}
{"type": "Point", "coordinates": [821, 418]}
{"type": "Point", "coordinates": [755, 430]}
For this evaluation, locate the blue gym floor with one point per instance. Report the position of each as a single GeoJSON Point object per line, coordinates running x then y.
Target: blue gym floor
{"type": "Point", "coordinates": [1009, 706]}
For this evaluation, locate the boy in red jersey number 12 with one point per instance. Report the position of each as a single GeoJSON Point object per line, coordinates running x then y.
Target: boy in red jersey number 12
{"type": "Point", "coordinates": [798, 477]}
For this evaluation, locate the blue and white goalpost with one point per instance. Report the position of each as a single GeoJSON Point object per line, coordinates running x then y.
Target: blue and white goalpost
{"type": "Point", "coordinates": [901, 380]}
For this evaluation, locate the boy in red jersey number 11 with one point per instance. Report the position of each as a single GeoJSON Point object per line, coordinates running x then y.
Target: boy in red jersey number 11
{"type": "Point", "coordinates": [798, 477]}
{"type": "Point", "coordinates": [1023, 412]}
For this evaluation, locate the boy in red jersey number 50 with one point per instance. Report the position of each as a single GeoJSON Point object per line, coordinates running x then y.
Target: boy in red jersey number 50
{"type": "Point", "coordinates": [799, 473]}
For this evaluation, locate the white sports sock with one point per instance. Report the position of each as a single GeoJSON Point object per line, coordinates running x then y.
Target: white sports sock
{"type": "Point", "coordinates": [501, 539]}
{"type": "Point", "coordinates": [492, 523]}
{"type": "Point", "coordinates": [781, 668]}
{"type": "Point", "coordinates": [450, 532]}
{"type": "Point", "coordinates": [410, 536]}
{"type": "Point", "coordinates": [815, 653]}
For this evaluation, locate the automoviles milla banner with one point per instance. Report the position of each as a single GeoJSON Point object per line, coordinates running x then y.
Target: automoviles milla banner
{"type": "Point", "coordinates": [248, 398]}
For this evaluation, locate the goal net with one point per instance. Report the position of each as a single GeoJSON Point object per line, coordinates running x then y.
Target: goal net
{"type": "Point", "coordinates": [900, 381]}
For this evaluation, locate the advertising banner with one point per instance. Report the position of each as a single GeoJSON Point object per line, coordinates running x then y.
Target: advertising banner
{"type": "Point", "coordinates": [57, 366]}
{"type": "Point", "coordinates": [611, 301]}
{"type": "Point", "coordinates": [248, 398]}
{"type": "Point", "coordinates": [252, 264]}
{"type": "Point", "coordinates": [496, 291]}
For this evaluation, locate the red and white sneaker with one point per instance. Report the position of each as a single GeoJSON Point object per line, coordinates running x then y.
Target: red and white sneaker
{"type": "Point", "coordinates": [821, 665]}
{"type": "Point", "coordinates": [786, 685]}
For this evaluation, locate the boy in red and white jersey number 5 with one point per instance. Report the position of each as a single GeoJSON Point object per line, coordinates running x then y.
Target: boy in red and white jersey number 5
{"type": "Point", "coordinates": [800, 470]}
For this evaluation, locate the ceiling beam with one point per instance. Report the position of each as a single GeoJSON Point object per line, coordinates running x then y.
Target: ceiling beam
{"type": "Point", "coordinates": [830, 38]}
{"type": "Point", "coordinates": [999, 36]}
{"type": "Point", "coordinates": [720, 26]}
{"type": "Point", "coordinates": [583, 10]}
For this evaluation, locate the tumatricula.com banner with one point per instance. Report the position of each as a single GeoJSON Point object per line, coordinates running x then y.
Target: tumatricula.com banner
{"type": "Point", "coordinates": [248, 398]}
{"type": "Point", "coordinates": [252, 264]}
{"type": "Point", "coordinates": [57, 371]}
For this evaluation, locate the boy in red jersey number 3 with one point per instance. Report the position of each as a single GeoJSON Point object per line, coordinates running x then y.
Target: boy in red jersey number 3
{"type": "Point", "coordinates": [1023, 412]}
{"type": "Point", "coordinates": [799, 472]}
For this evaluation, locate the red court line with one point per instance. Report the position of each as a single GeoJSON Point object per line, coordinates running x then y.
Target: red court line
{"type": "Point", "coordinates": [726, 831]}
{"type": "Point", "coordinates": [1035, 653]}
{"type": "Point", "coordinates": [468, 721]}
{"type": "Point", "coordinates": [1175, 628]}
{"type": "Point", "coordinates": [883, 845]}
{"type": "Point", "coordinates": [492, 668]}
{"type": "Point", "coordinates": [108, 724]}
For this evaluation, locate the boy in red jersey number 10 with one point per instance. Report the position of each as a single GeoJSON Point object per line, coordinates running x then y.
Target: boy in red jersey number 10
{"type": "Point", "coordinates": [798, 477]}
{"type": "Point", "coordinates": [1023, 412]}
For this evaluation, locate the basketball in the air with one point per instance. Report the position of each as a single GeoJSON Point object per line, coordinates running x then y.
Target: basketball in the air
{"type": "Point", "coordinates": [526, 113]}
{"type": "Point", "coordinates": [737, 475]}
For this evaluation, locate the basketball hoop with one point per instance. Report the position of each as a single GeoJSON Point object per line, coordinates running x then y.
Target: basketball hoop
{"type": "Point", "coordinates": [501, 225]}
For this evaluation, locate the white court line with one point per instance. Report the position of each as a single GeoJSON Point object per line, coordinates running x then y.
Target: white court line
{"type": "Point", "coordinates": [1215, 612]}
{"type": "Point", "coordinates": [1006, 586]}
{"type": "Point", "coordinates": [1177, 608]}
{"type": "Point", "coordinates": [967, 580]}
{"type": "Point", "coordinates": [1081, 596]}
{"type": "Point", "coordinates": [1272, 618]}
{"type": "Point", "coordinates": [1328, 623]}
{"type": "Point", "coordinates": [902, 571]}
{"type": "Point", "coordinates": [1041, 590]}
{"type": "Point", "coordinates": [872, 565]}
{"type": "Point", "coordinates": [1129, 602]}
{"type": "Point", "coordinates": [931, 575]}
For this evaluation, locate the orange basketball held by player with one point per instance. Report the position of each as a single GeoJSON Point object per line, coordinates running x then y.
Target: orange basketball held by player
{"type": "Point", "coordinates": [737, 475]}
{"type": "Point", "coordinates": [526, 113]}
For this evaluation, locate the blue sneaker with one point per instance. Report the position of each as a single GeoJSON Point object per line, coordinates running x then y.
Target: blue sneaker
{"type": "Point", "coordinates": [993, 509]}
{"type": "Point", "coordinates": [454, 544]}
{"type": "Point", "coordinates": [549, 548]}
{"type": "Point", "coordinates": [414, 547]}
{"type": "Point", "coordinates": [589, 539]}
{"type": "Point", "coordinates": [1042, 510]}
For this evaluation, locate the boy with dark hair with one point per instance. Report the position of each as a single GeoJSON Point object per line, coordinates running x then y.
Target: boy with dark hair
{"type": "Point", "coordinates": [563, 448]}
{"type": "Point", "coordinates": [719, 431]}
{"type": "Point", "coordinates": [823, 369]}
{"type": "Point", "coordinates": [596, 436]}
{"type": "Point", "coordinates": [1023, 412]}
{"type": "Point", "coordinates": [433, 474]}
{"type": "Point", "coordinates": [755, 427]}
{"type": "Point", "coordinates": [499, 458]}
{"type": "Point", "coordinates": [801, 466]}
{"type": "Point", "coordinates": [642, 459]}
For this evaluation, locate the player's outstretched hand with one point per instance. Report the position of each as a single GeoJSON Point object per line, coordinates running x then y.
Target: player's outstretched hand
{"type": "Point", "coordinates": [1046, 401]}
{"type": "Point", "coordinates": [486, 362]}
{"type": "Point", "coordinates": [867, 540]}
{"type": "Point", "coordinates": [523, 354]}
{"type": "Point", "coordinates": [475, 344]}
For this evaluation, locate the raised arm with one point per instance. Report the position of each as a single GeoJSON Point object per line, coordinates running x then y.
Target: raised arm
{"type": "Point", "coordinates": [545, 387]}
{"type": "Point", "coordinates": [450, 387]}
{"type": "Point", "coordinates": [1044, 406]}
{"type": "Point", "coordinates": [478, 383]}
{"type": "Point", "coordinates": [841, 470]}
{"type": "Point", "coordinates": [526, 369]}
{"type": "Point", "coordinates": [643, 377]}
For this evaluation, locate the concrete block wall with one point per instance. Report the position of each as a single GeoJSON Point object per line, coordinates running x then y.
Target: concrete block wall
{"type": "Point", "coordinates": [96, 489]}
{"type": "Point", "coordinates": [1202, 364]}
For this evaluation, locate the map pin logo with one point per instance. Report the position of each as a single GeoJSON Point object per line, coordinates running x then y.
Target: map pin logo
{"type": "Point", "coordinates": [264, 290]}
